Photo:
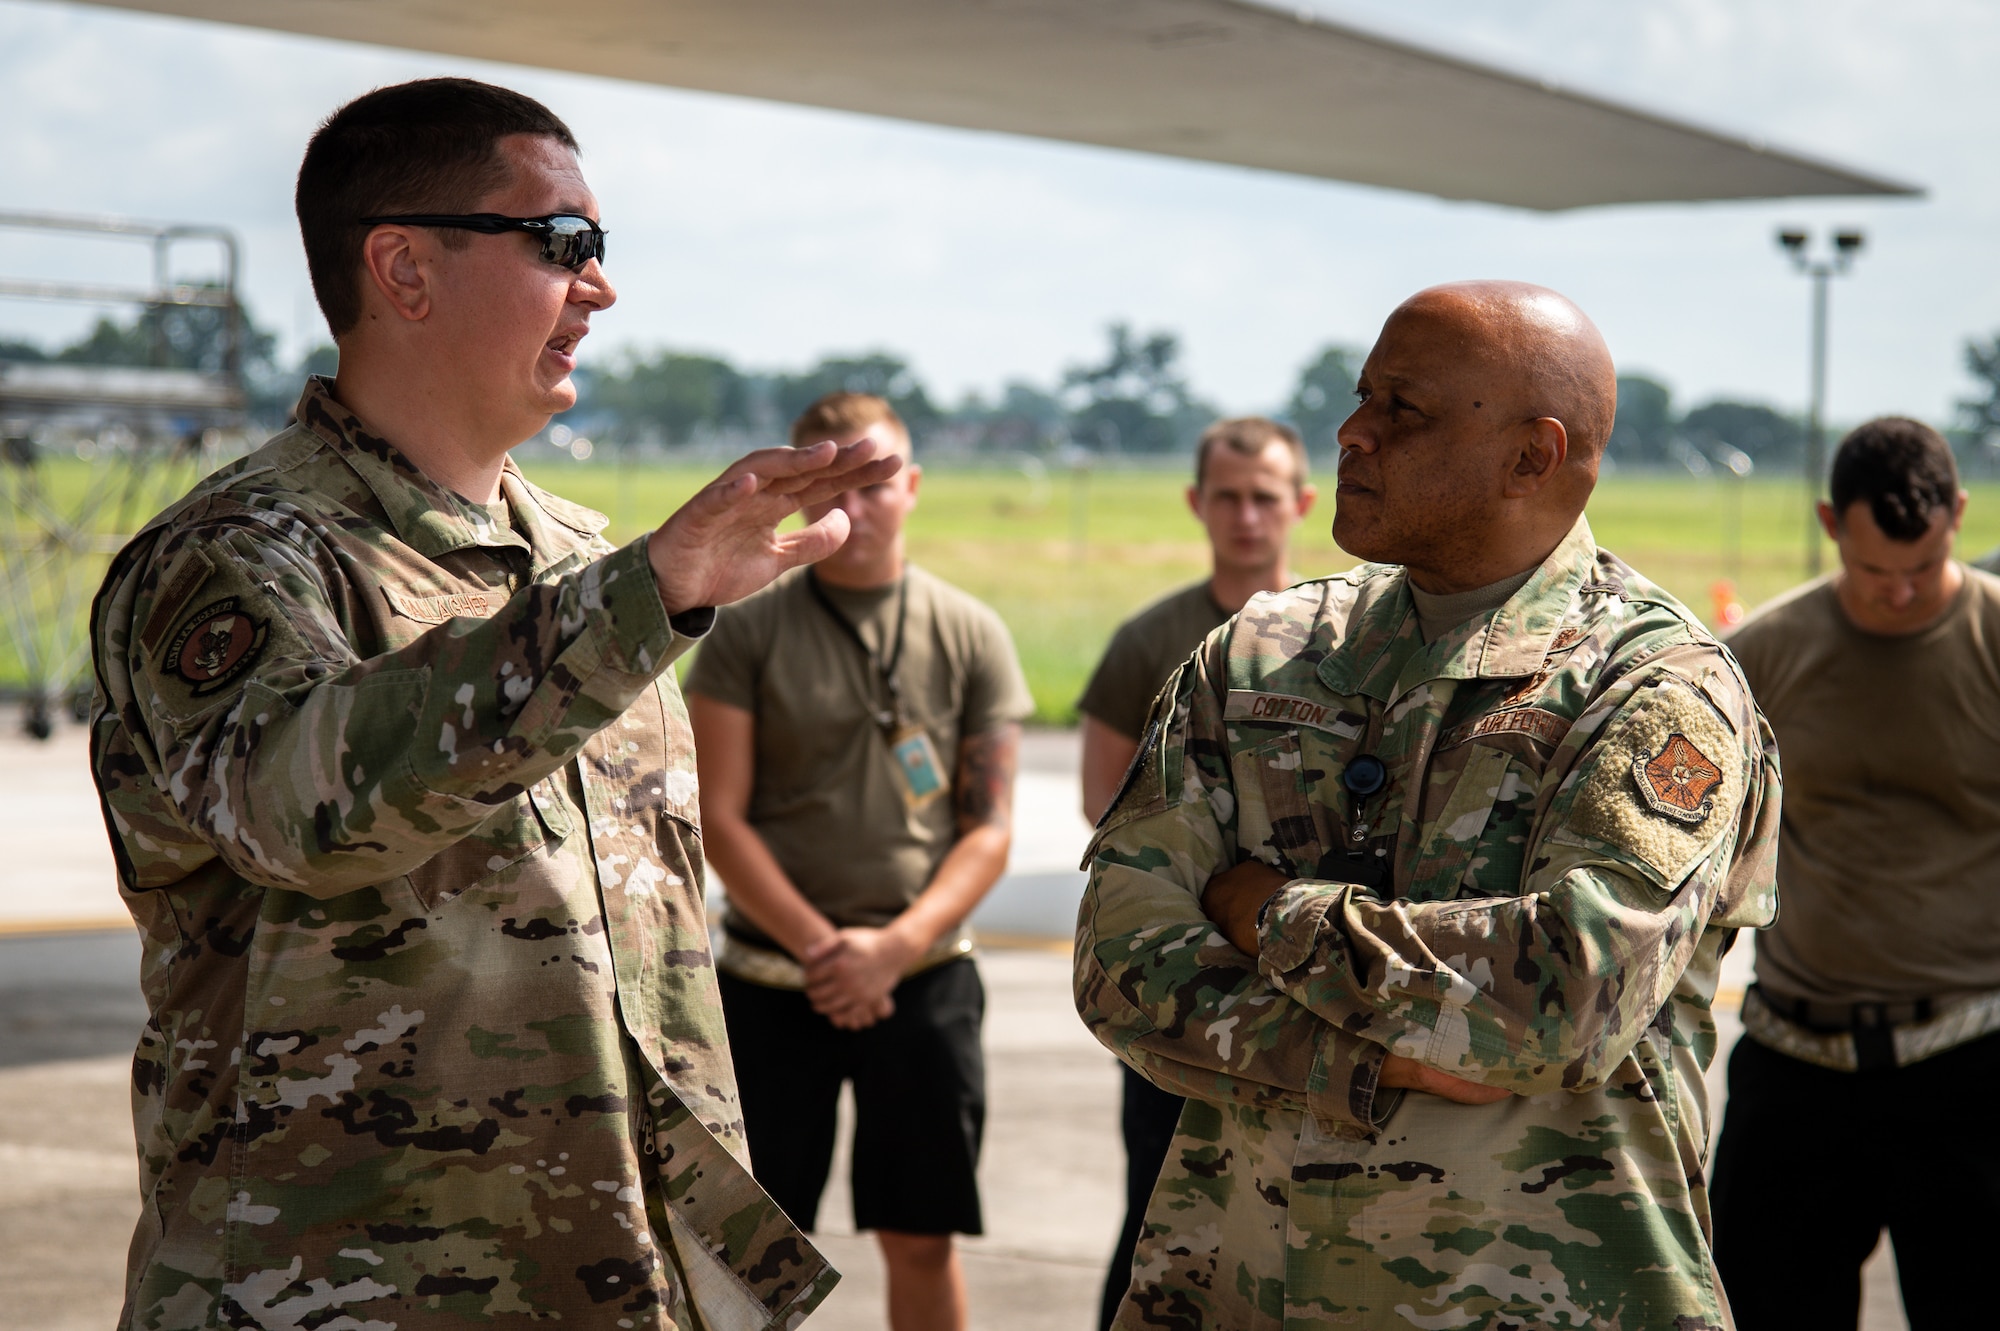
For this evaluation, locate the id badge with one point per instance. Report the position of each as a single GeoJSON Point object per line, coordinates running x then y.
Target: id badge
{"type": "Point", "coordinates": [917, 763]}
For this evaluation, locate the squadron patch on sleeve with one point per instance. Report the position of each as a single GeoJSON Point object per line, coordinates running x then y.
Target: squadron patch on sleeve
{"type": "Point", "coordinates": [1676, 781]}
{"type": "Point", "coordinates": [1661, 784]}
{"type": "Point", "coordinates": [216, 644]}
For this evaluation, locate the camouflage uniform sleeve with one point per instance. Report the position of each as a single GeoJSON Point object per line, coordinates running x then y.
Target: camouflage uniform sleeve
{"type": "Point", "coordinates": [307, 768]}
{"type": "Point", "coordinates": [1665, 822]}
{"type": "Point", "coordinates": [1155, 981]}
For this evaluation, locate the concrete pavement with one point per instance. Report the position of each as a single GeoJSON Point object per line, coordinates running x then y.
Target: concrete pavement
{"type": "Point", "coordinates": [70, 1012]}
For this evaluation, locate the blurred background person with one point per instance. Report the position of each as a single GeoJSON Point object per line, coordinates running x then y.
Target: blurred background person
{"type": "Point", "coordinates": [1862, 1096]}
{"type": "Point", "coordinates": [1250, 489]}
{"type": "Point", "coordinates": [858, 726]}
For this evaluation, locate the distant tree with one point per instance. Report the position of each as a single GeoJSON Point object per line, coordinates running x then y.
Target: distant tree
{"type": "Point", "coordinates": [274, 394]}
{"type": "Point", "coordinates": [1769, 437]}
{"type": "Point", "coordinates": [674, 393]}
{"type": "Point", "coordinates": [178, 337]}
{"type": "Point", "coordinates": [1324, 396]}
{"type": "Point", "coordinates": [1136, 400]}
{"type": "Point", "coordinates": [877, 372]}
{"type": "Point", "coordinates": [1979, 417]}
{"type": "Point", "coordinates": [190, 337]}
{"type": "Point", "coordinates": [10, 349]}
{"type": "Point", "coordinates": [322, 358]}
{"type": "Point", "coordinates": [1024, 420]}
{"type": "Point", "coordinates": [1644, 426]}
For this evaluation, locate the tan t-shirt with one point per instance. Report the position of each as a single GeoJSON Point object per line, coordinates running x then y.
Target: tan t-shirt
{"type": "Point", "coordinates": [1889, 853]}
{"type": "Point", "coordinates": [1145, 650]}
{"type": "Point", "coordinates": [1440, 613]}
{"type": "Point", "coordinates": [827, 797]}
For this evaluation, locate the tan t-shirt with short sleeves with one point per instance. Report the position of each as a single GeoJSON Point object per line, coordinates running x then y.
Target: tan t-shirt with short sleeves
{"type": "Point", "coordinates": [827, 797]}
{"type": "Point", "coordinates": [1889, 852]}
{"type": "Point", "coordinates": [1144, 653]}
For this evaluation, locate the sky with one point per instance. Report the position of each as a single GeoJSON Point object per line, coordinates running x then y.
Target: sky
{"type": "Point", "coordinates": [773, 234]}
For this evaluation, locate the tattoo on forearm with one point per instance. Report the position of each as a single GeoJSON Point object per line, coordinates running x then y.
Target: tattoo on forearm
{"type": "Point", "coordinates": [986, 765]}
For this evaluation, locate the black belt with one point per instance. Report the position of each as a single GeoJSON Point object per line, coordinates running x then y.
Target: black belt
{"type": "Point", "coordinates": [1836, 1018]}
{"type": "Point", "coordinates": [1871, 1024]}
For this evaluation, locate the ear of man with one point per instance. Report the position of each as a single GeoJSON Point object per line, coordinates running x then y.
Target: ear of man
{"type": "Point", "coordinates": [1540, 462]}
{"type": "Point", "coordinates": [397, 263]}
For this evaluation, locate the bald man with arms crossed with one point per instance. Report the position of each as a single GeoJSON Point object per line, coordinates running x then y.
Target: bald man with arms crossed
{"type": "Point", "coordinates": [1421, 883]}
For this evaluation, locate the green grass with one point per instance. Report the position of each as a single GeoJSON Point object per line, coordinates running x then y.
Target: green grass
{"type": "Point", "coordinates": [991, 533]}
{"type": "Point", "coordinates": [1016, 546]}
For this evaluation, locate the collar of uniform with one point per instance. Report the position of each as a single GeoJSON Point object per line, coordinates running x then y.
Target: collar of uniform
{"type": "Point", "coordinates": [427, 517]}
{"type": "Point", "coordinates": [1515, 640]}
{"type": "Point", "coordinates": [1385, 655]}
{"type": "Point", "coordinates": [556, 527]}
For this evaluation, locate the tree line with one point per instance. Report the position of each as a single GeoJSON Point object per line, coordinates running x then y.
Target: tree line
{"type": "Point", "coordinates": [1133, 398]}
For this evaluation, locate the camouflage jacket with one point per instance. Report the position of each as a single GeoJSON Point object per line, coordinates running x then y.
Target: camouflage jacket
{"type": "Point", "coordinates": [403, 801]}
{"type": "Point", "coordinates": [1580, 809]}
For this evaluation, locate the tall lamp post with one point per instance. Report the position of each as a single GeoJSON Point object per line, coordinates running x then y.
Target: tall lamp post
{"type": "Point", "coordinates": [1846, 245]}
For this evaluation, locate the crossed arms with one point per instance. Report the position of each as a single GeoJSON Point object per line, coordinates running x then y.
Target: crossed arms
{"type": "Point", "coordinates": [1544, 988]}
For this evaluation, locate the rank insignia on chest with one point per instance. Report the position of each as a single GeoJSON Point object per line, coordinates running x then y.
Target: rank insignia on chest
{"type": "Point", "coordinates": [1676, 782]}
{"type": "Point", "coordinates": [215, 646]}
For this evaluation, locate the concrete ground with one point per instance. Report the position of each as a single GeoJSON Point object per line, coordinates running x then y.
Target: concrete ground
{"type": "Point", "coordinates": [70, 1010]}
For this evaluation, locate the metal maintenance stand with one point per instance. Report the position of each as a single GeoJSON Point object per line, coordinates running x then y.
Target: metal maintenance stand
{"type": "Point", "coordinates": [89, 452]}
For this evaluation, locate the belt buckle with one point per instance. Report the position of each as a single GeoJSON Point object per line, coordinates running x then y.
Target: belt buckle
{"type": "Point", "coordinates": [1874, 1038]}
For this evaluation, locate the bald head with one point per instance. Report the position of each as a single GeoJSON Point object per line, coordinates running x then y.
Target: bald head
{"type": "Point", "coordinates": [1485, 410]}
{"type": "Point", "coordinates": [1544, 356]}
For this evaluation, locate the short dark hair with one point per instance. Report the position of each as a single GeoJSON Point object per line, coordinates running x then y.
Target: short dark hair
{"type": "Point", "coordinates": [1902, 468]}
{"type": "Point", "coordinates": [1250, 436]}
{"type": "Point", "coordinates": [431, 146]}
{"type": "Point", "coordinates": [839, 414]}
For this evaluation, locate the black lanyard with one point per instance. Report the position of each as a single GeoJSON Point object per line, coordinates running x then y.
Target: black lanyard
{"type": "Point", "coordinates": [887, 719]}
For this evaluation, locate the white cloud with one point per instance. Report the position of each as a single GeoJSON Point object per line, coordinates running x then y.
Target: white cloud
{"type": "Point", "coordinates": [774, 233]}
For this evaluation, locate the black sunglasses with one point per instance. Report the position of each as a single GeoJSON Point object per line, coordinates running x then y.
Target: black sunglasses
{"type": "Point", "coordinates": [568, 241]}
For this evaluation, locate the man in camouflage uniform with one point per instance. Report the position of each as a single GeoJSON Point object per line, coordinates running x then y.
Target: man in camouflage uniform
{"type": "Point", "coordinates": [402, 795]}
{"type": "Point", "coordinates": [1421, 883]}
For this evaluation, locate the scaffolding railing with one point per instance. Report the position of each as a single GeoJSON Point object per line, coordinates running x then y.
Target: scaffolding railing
{"type": "Point", "coordinates": [89, 452]}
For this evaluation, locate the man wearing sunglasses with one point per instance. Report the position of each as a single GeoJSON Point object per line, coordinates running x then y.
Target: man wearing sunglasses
{"type": "Point", "coordinates": [403, 798]}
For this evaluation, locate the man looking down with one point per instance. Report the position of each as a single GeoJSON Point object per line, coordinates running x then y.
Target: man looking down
{"type": "Point", "coordinates": [403, 799]}
{"type": "Point", "coordinates": [1420, 885]}
{"type": "Point", "coordinates": [1874, 1024]}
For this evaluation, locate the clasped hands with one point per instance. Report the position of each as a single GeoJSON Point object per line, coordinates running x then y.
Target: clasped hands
{"type": "Point", "coordinates": [1235, 897]}
{"type": "Point", "coordinates": [851, 973]}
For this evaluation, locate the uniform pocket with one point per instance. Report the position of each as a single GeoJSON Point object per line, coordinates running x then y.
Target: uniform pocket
{"type": "Point", "coordinates": [1281, 815]}
{"type": "Point", "coordinates": [1455, 833]}
{"type": "Point", "coordinates": [513, 832]}
{"type": "Point", "coordinates": [678, 791]}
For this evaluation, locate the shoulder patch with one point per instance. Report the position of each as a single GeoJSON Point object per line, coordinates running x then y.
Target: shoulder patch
{"type": "Point", "coordinates": [1676, 781]}
{"type": "Point", "coordinates": [1662, 783]}
{"type": "Point", "coordinates": [215, 645]}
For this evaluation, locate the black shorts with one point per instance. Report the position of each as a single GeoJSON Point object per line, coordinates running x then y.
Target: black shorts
{"type": "Point", "coordinates": [1813, 1165]}
{"type": "Point", "coordinates": [919, 1100]}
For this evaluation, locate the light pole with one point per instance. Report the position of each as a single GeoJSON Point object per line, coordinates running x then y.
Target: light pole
{"type": "Point", "coordinates": [1846, 244]}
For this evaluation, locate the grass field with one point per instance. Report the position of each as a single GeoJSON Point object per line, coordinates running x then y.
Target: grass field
{"type": "Point", "coordinates": [994, 534]}
{"type": "Point", "coordinates": [1064, 561]}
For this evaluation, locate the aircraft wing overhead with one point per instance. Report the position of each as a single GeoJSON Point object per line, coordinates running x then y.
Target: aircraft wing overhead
{"type": "Point", "coordinates": [1216, 80]}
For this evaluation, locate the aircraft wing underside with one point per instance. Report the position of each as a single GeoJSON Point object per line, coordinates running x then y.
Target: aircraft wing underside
{"type": "Point", "coordinates": [1216, 80]}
